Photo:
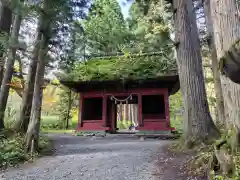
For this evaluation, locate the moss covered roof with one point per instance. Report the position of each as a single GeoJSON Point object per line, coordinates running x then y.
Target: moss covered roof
{"type": "Point", "coordinates": [122, 68]}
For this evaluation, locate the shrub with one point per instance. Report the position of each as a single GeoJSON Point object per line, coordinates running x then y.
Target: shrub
{"type": "Point", "coordinates": [74, 121]}
{"type": "Point", "coordinates": [10, 116]}
{"type": "Point", "coordinates": [51, 122]}
{"type": "Point", "coordinates": [12, 148]}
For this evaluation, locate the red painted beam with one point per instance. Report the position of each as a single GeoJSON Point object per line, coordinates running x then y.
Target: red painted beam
{"type": "Point", "coordinates": [159, 91]}
{"type": "Point", "coordinates": [80, 113]}
{"type": "Point", "coordinates": [104, 111]}
{"type": "Point", "coordinates": [140, 118]}
{"type": "Point", "coordinates": [167, 113]}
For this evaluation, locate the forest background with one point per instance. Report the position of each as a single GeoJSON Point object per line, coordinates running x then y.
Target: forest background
{"type": "Point", "coordinates": [44, 41]}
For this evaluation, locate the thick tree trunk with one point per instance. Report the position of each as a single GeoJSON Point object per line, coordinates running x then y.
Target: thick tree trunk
{"type": "Point", "coordinates": [198, 122]}
{"type": "Point", "coordinates": [216, 73]}
{"type": "Point", "coordinates": [9, 66]}
{"type": "Point", "coordinates": [226, 26]}
{"type": "Point", "coordinates": [32, 135]}
{"type": "Point", "coordinates": [5, 25]}
{"type": "Point", "coordinates": [22, 122]}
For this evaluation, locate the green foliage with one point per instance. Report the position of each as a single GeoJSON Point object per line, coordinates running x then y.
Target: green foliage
{"type": "Point", "coordinates": [205, 158]}
{"type": "Point", "coordinates": [10, 116]}
{"type": "Point", "coordinates": [122, 68]}
{"type": "Point", "coordinates": [4, 43]}
{"type": "Point", "coordinates": [123, 124]}
{"type": "Point", "coordinates": [65, 110]}
{"type": "Point", "coordinates": [44, 144]}
{"type": "Point", "coordinates": [151, 27]}
{"type": "Point", "coordinates": [176, 111]}
{"type": "Point", "coordinates": [12, 148]}
{"type": "Point", "coordinates": [51, 122]}
{"type": "Point", "coordinates": [12, 151]}
{"type": "Point", "coordinates": [106, 32]}
{"type": "Point", "coordinates": [74, 115]}
{"type": "Point", "coordinates": [105, 29]}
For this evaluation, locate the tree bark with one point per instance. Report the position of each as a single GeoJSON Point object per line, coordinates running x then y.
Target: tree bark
{"type": "Point", "coordinates": [216, 74]}
{"type": "Point", "coordinates": [226, 26]}
{"type": "Point", "coordinates": [9, 66]}
{"type": "Point", "coordinates": [5, 25]}
{"type": "Point", "coordinates": [22, 122]}
{"type": "Point", "coordinates": [32, 134]}
{"type": "Point", "coordinates": [198, 121]}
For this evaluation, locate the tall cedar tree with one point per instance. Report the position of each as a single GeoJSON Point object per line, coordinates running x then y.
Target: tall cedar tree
{"type": "Point", "coordinates": [5, 24]}
{"type": "Point", "coordinates": [214, 63]}
{"type": "Point", "coordinates": [32, 135]}
{"type": "Point", "coordinates": [14, 44]}
{"type": "Point", "coordinates": [22, 121]}
{"type": "Point", "coordinates": [225, 19]}
{"type": "Point", "coordinates": [52, 13]}
{"type": "Point", "coordinates": [64, 17]}
{"type": "Point", "coordinates": [105, 29]}
{"type": "Point", "coordinates": [198, 122]}
{"type": "Point", "coordinates": [150, 30]}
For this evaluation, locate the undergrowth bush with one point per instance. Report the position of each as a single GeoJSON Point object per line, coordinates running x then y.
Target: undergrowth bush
{"type": "Point", "coordinates": [51, 122]}
{"type": "Point", "coordinates": [12, 148]}
{"type": "Point", "coordinates": [204, 158]}
{"type": "Point", "coordinates": [10, 116]}
{"type": "Point", "coordinates": [55, 123]}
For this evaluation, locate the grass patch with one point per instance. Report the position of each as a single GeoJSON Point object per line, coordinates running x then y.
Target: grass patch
{"type": "Point", "coordinates": [57, 131]}
{"type": "Point", "coordinates": [53, 123]}
{"type": "Point", "coordinates": [123, 124]}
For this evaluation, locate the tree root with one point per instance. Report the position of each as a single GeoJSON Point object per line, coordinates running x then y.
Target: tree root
{"type": "Point", "coordinates": [222, 159]}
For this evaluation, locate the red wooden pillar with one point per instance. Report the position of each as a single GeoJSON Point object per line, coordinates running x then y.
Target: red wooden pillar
{"type": "Point", "coordinates": [140, 118]}
{"type": "Point", "coordinates": [81, 111]}
{"type": "Point", "coordinates": [113, 117]}
{"type": "Point", "coordinates": [166, 102]}
{"type": "Point", "coordinates": [104, 111]}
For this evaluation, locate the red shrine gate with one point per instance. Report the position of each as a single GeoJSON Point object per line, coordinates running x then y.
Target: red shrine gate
{"type": "Point", "coordinates": [99, 99]}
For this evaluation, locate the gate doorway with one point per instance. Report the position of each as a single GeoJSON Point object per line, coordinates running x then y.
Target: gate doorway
{"type": "Point", "coordinates": [122, 113]}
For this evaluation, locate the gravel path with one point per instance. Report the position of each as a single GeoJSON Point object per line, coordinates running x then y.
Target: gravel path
{"type": "Point", "coordinates": [85, 158]}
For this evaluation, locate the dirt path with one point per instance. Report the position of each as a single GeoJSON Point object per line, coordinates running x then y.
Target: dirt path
{"type": "Point", "coordinates": [108, 158]}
